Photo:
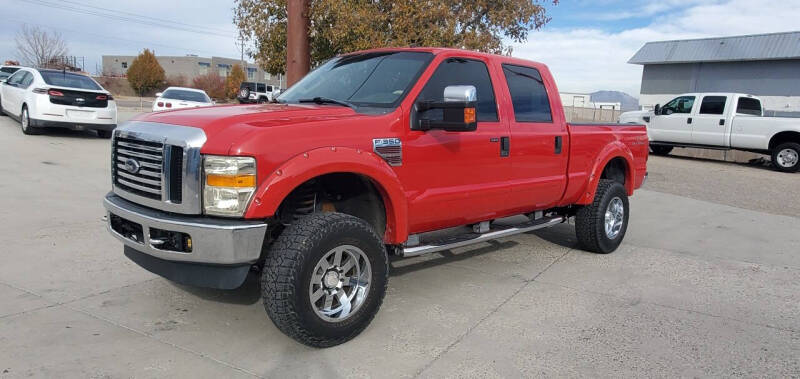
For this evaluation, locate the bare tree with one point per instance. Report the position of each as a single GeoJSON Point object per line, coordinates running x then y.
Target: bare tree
{"type": "Point", "coordinates": [37, 47]}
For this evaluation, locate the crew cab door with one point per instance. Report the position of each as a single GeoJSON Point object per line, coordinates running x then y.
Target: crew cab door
{"type": "Point", "coordinates": [674, 121]}
{"type": "Point", "coordinates": [455, 178]}
{"type": "Point", "coordinates": [539, 144]}
{"type": "Point", "coordinates": [710, 125]}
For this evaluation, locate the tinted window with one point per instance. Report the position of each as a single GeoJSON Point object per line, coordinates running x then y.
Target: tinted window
{"type": "Point", "coordinates": [713, 105]}
{"type": "Point", "coordinates": [457, 72]}
{"type": "Point", "coordinates": [377, 79]}
{"type": "Point", "coordinates": [177, 94]}
{"type": "Point", "coordinates": [261, 87]}
{"type": "Point", "coordinates": [749, 106]}
{"type": "Point", "coordinates": [249, 85]}
{"type": "Point", "coordinates": [66, 79]}
{"type": "Point", "coordinates": [9, 70]}
{"type": "Point", "coordinates": [16, 78]}
{"type": "Point", "coordinates": [681, 104]}
{"type": "Point", "coordinates": [528, 94]}
{"type": "Point", "coordinates": [26, 80]}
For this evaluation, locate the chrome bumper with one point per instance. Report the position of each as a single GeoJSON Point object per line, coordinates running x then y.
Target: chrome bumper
{"type": "Point", "coordinates": [213, 241]}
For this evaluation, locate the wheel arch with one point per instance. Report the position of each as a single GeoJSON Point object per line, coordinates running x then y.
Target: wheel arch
{"type": "Point", "coordinates": [274, 190]}
{"type": "Point", "coordinates": [613, 158]}
{"type": "Point", "coordinates": [783, 137]}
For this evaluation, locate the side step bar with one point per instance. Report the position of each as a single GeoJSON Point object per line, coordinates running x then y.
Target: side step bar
{"type": "Point", "coordinates": [473, 238]}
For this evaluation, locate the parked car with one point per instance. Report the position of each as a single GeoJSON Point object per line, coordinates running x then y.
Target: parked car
{"type": "Point", "coordinates": [374, 153]}
{"type": "Point", "coordinates": [6, 71]}
{"type": "Point", "coordinates": [51, 98]}
{"type": "Point", "coordinates": [251, 92]}
{"type": "Point", "coordinates": [181, 97]}
{"type": "Point", "coordinates": [721, 121]}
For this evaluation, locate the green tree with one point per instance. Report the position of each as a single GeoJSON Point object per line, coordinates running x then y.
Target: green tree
{"type": "Point", "coordinates": [145, 74]}
{"type": "Point", "coordinates": [233, 81]}
{"type": "Point", "coordinates": [342, 26]}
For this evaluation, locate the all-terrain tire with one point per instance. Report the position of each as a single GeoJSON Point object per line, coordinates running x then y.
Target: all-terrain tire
{"type": "Point", "coordinates": [290, 266]}
{"type": "Point", "coordinates": [661, 149]}
{"type": "Point", "coordinates": [590, 219]}
{"type": "Point", "coordinates": [786, 164]}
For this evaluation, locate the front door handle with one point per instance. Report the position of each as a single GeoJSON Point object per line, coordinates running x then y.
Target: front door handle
{"type": "Point", "coordinates": [722, 121]}
{"type": "Point", "coordinates": [558, 145]}
{"type": "Point", "coordinates": [689, 120]}
{"type": "Point", "coordinates": [505, 143]}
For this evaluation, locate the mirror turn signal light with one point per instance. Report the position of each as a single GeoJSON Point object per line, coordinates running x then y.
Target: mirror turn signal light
{"type": "Point", "coordinates": [216, 180]}
{"type": "Point", "coordinates": [469, 115]}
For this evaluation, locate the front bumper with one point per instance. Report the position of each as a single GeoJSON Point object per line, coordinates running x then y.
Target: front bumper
{"type": "Point", "coordinates": [214, 242]}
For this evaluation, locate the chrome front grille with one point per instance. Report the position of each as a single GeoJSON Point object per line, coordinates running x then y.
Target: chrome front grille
{"type": "Point", "coordinates": [139, 167]}
{"type": "Point", "coordinates": [158, 165]}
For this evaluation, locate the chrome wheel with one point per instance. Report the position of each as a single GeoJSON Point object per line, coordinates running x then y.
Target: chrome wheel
{"type": "Point", "coordinates": [615, 217]}
{"type": "Point", "coordinates": [787, 158]}
{"type": "Point", "coordinates": [340, 283]}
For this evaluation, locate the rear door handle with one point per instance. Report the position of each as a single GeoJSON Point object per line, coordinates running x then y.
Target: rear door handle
{"type": "Point", "coordinates": [505, 143]}
{"type": "Point", "coordinates": [689, 120]}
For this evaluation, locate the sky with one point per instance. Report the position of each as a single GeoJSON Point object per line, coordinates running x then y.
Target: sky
{"type": "Point", "coordinates": [586, 45]}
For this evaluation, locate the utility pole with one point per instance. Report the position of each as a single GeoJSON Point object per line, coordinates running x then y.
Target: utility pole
{"type": "Point", "coordinates": [298, 55]}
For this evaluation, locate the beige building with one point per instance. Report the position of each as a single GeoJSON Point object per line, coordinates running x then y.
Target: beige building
{"type": "Point", "coordinates": [191, 66]}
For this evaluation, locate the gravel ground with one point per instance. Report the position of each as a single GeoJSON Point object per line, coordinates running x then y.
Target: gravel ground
{"type": "Point", "coordinates": [748, 186]}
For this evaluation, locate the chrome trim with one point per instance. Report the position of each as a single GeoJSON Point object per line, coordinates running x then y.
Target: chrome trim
{"type": "Point", "coordinates": [191, 139]}
{"type": "Point", "coordinates": [214, 241]}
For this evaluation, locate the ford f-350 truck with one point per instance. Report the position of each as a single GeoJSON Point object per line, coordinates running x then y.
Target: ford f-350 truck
{"type": "Point", "coordinates": [721, 121]}
{"type": "Point", "coordinates": [372, 154]}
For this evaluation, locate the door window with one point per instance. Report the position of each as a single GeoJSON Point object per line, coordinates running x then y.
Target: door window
{"type": "Point", "coordinates": [461, 72]}
{"type": "Point", "coordinates": [713, 105]}
{"type": "Point", "coordinates": [749, 106]}
{"type": "Point", "coordinates": [528, 94]}
{"type": "Point", "coordinates": [681, 104]}
{"type": "Point", "coordinates": [16, 78]}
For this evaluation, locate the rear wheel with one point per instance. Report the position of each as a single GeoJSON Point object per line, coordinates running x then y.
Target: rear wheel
{"type": "Point", "coordinates": [786, 157]}
{"type": "Point", "coordinates": [661, 149]}
{"type": "Point", "coordinates": [601, 226]}
{"type": "Point", "coordinates": [25, 122]}
{"type": "Point", "coordinates": [324, 278]}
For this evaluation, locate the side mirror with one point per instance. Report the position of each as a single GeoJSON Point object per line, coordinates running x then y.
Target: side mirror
{"type": "Point", "coordinates": [158, 94]}
{"type": "Point", "coordinates": [657, 109]}
{"type": "Point", "coordinates": [458, 112]}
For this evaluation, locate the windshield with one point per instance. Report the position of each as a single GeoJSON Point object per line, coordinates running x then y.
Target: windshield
{"type": "Point", "coordinates": [66, 79]}
{"type": "Point", "coordinates": [369, 80]}
{"type": "Point", "coordinates": [177, 94]}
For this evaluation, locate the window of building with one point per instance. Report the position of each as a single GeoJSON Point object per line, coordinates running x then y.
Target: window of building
{"type": "Point", "coordinates": [124, 64]}
{"type": "Point", "coordinates": [224, 69]}
{"type": "Point", "coordinates": [528, 94]}
{"type": "Point", "coordinates": [203, 67]}
{"type": "Point", "coordinates": [459, 72]}
{"type": "Point", "coordinates": [251, 73]}
{"type": "Point", "coordinates": [713, 105]}
{"type": "Point", "coordinates": [749, 106]}
{"type": "Point", "coordinates": [682, 104]}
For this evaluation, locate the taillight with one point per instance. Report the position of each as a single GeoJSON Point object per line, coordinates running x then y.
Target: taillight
{"type": "Point", "coordinates": [169, 105]}
{"type": "Point", "coordinates": [160, 104]}
{"type": "Point", "coordinates": [101, 97]}
{"type": "Point", "coordinates": [53, 92]}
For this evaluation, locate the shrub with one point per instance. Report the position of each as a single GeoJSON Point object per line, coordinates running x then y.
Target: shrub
{"type": "Point", "coordinates": [212, 83]}
{"type": "Point", "coordinates": [233, 81]}
{"type": "Point", "coordinates": [145, 74]}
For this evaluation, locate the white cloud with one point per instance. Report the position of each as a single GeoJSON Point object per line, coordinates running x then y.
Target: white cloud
{"type": "Point", "coordinates": [586, 60]}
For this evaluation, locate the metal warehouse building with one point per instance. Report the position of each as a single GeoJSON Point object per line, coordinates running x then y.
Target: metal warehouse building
{"type": "Point", "coordinates": [765, 65]}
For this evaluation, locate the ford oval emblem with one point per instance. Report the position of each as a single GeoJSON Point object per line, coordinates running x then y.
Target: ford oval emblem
{"type": "Point", "coordinates": [132, 165]}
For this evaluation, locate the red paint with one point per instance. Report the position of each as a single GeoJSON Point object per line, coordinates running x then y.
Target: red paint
{"type": "Point", "coordinates": [447, 178]}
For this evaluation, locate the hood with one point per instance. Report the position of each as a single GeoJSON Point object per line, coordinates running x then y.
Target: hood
{"type": "Point", "coordinates": [635, 117]}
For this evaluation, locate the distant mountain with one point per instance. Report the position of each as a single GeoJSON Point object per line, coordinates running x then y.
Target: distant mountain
{"type": "Point", "coordinates": [629, 103]}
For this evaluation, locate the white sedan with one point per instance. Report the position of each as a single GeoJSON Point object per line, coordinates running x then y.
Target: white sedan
{"type": "Point", "coordinates": [181, 97]}
{"type": "Point", "coordinates": [53, 98]}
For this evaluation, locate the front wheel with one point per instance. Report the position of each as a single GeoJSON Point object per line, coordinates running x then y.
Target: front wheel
{"type": "Point", "coordinates": [601, 226]}
{"type": "Point", "coordinates": [661, 149]}
{"type": "Point", "coordinates": [324, 278]}
{"type": "Point", "coordinates": [786, 157]}
{"type": "Point", "coordinates": [106, 134]}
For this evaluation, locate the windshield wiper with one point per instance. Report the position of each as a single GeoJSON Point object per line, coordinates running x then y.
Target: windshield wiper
{"type": "Point", "coordinates": [326, 100]}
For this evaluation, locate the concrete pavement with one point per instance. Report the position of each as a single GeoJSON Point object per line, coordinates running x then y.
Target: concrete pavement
{"type": "Point", "coordinates": [699, 288]}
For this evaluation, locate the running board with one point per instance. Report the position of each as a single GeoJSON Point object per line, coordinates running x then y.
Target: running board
{"type": "Point", "coordinates": [473, 238]}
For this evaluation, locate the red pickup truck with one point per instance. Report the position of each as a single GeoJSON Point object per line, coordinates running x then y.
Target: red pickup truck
{"type": "Point", "coordinates": [362, 159]}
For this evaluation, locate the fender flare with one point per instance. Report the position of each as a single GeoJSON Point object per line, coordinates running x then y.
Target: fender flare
{"type": "Point", "coordinates": [291, 174]}
{"type": "Point", "coordinates": [616, 149]}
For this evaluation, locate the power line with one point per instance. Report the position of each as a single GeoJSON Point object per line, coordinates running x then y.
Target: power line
{"type": "Point", "coordinates": [124, 18]}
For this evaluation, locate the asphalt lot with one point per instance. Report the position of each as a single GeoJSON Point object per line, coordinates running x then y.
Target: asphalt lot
{"type": "Point", "coordinates": [706, 284]}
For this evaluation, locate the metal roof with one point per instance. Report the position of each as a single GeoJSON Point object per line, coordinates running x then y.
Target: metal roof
{"type": "Point", "coordinates": [739, 48]}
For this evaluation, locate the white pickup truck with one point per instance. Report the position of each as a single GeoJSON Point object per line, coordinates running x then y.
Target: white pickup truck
{"type": "Point", "coordinates": [722, 121]}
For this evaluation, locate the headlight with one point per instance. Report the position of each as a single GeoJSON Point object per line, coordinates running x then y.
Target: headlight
{"type": "Point", "coordinates": [229, 184]}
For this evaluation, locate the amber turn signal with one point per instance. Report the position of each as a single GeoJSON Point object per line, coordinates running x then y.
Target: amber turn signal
{"type": "Point", "coordinates": [216, 180]}
{"type": "Point", "coordinates": [469, 115]}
